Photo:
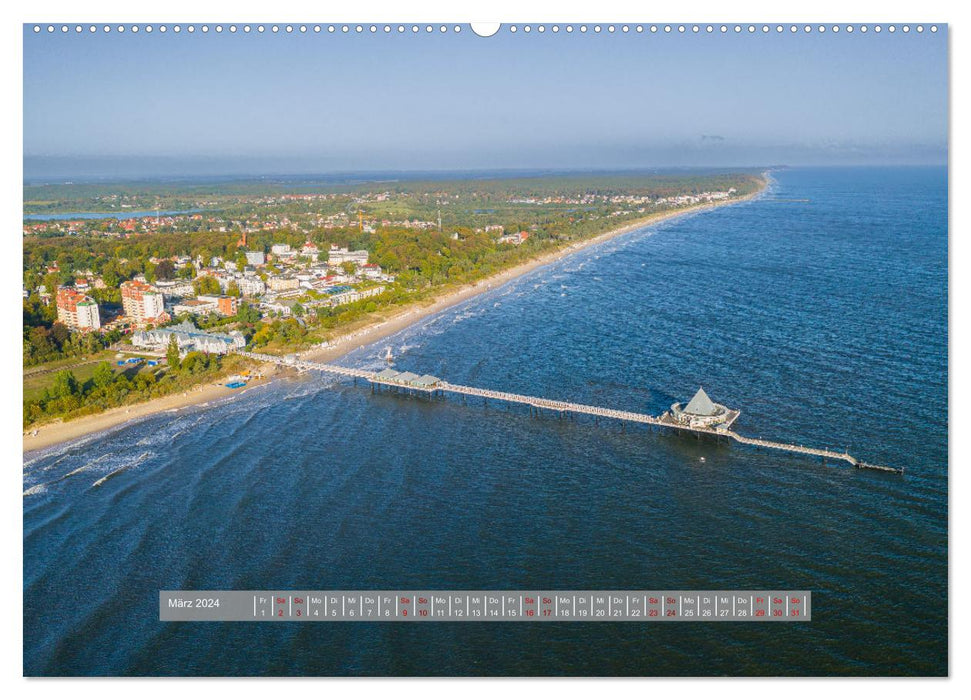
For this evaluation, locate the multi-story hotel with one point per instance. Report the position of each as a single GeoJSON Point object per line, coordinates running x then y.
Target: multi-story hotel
{"type": "Point", "coordinates": [282, 284]}
{"type": "Point", "coordinates": [77, 311]}
{"type": "Point", "coordinates": [143, 303]}
{"type": "Point", "coordinates": [336, 256]}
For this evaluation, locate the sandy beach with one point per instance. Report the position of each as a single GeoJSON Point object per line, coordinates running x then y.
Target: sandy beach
{"type": "Point", "coordinates": [52, 434]}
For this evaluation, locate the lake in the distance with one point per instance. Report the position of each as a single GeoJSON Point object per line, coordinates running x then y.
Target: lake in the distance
{"type": "Point", "coordinates": [824, 321]}
{"type": "Point", "coordinates": [78, 215]}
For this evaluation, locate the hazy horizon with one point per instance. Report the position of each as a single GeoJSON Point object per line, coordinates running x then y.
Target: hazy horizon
{"type": "Point", "coordinates": [346, 177]}
{"type": "Point", "coordinates": [41, 170]}
{"type": "Point", "coordinates": [131, 105]}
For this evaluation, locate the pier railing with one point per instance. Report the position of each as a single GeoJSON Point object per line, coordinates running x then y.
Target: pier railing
{"type": "Point", "coordinates": [537, 402]}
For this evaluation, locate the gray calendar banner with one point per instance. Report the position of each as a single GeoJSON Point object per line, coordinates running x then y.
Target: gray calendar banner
{"type": "Point", "coordinates": [485, 606]}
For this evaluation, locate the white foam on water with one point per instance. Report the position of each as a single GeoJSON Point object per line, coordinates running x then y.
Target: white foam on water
{"type": "Point", "coordinates": [305, 389]}
{"type": "Point", "coordinates": [91, 465]}
{"type": "Point", "coordinates": [61, 450]}
{"type": "Point", "coordinates": [466, 315]}
{"type": "Point", "coordinates": [131, 465]}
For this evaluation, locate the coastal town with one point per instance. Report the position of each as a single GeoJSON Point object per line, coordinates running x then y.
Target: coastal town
{"type": "Point", "coordinates": [282, 283]}
{"type": "Point", "coordinates": [123, 308]}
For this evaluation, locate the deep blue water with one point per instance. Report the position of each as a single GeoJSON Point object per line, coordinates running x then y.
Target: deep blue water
{"type": "Point", "coordinates": [824, 321]}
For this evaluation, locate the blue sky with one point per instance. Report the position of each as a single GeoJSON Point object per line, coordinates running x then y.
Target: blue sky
{"type": "Point", "coordinates": [332, 102]}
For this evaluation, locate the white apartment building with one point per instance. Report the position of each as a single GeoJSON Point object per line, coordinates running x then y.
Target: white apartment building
{"type": "Point", "coordinates": [77, 311]}
{"type": "Point", "coordinates": [336, 256]}
{"type": "Point", "coordinates": [142, 302]}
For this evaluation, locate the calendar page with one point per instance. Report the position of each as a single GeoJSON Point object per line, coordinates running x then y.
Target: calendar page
{"type": "Point", "coordinates": [437, 348]}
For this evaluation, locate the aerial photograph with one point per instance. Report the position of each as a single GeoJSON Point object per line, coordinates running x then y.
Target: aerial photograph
{"type": "Point", "coordinates": [600, 350]}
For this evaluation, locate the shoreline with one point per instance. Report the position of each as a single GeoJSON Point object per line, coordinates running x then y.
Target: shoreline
{"type": "Point", "coordinates": [56, 433]}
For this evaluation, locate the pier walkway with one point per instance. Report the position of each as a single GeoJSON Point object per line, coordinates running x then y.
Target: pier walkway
{"type": "Point", "coordinates": [430, 385]}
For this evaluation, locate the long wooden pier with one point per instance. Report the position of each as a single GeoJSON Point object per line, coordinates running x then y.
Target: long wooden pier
{"type": "Point", "coordinates": [430, 385]}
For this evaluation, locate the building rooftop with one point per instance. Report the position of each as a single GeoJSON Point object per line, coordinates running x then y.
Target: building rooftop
{"type": "Point", "coordinates": [701, 405]}
{"type": "Point", "coordinates": [426, 380]}
{"type": "Point", "coordinates": [187, 328]}
{"type": "Point", "coordinates": [139, 285]}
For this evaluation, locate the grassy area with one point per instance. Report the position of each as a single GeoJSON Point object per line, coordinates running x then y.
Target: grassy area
{"type": "Point", "coordinates": [130, 384]}
{"type": "Point", "coordinates": [35, 382]}
{"type": "Point", "coordinates": [66, 363]}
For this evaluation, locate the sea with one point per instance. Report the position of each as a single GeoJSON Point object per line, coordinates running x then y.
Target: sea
{"type": "Point", "coordinates": [819, 310]}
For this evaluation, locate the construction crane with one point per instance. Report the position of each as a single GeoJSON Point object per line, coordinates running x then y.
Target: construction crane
{"type": "Point", "coordinates": [360, 214]}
